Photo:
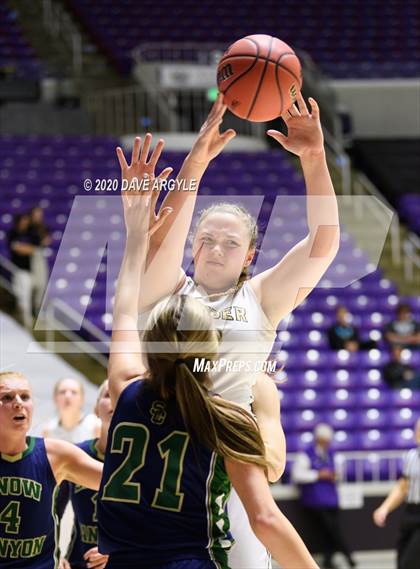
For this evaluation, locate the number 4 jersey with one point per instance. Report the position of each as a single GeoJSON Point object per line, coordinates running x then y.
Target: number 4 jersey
{"type": "Point", "coordinates": [162, 496]}
{"type": "Point", "coordinates": [27, 519]}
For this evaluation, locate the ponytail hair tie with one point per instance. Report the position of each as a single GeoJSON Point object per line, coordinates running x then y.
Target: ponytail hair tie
{"type": "Point", "coordinates": [179, 361]}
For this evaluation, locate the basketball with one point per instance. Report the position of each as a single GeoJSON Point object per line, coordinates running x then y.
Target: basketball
{"type": "Point", "coordinates": [259, 76]}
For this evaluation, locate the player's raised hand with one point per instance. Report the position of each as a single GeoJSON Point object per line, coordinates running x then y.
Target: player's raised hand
{"type": "Point", "coordinates": [304, 133]}
{"type": "Point", "coordinates": [210, 141]}
{"type": "Point", "coordinates": [140, 164]}
{"type": "Point", "coordinates": [141, 188]}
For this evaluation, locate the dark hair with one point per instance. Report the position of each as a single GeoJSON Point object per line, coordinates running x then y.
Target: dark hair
{"type": "Point", "coordinates": [184, 330]}
{"type": "Point", "coordinates": [18, 218]}
{"type": "Point", "coordinates": [403, 307]}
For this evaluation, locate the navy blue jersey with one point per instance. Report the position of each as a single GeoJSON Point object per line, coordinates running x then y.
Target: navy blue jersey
{"type": "Point", "coordinates": [162, 495]}
{"type": "Point", "coordinates": [27, 518]}
{"type": "Point", "coordinates": [84, 535]}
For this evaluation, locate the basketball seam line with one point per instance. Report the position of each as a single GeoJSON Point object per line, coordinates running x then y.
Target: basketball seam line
{"type": "Point", "coordinates": [261, 79]}
{"type": "Point", "coordinates": [246, 71]}
{"type": "Point", "coordinates": [286, 68]}
{"type": "Point", "coordinates": [260, 56]}
{"type": "Point", "coordinates": [279, 90]}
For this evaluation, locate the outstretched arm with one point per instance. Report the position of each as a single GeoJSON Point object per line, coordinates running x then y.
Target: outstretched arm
{"type": "Point", "coordinates": [69, 462]}
{"type": "Point", "coordinates": [283, 287]}
{"type": "Point", "coordinates": [271, 527]}
{"type": "Point", "coordinates": [125, 358]}
{"type": "Point", "coordinates": [166, 249]}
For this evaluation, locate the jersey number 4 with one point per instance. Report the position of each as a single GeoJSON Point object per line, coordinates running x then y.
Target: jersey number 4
{"type": "Point", "coordinates": [132, 440]}
{"type": "Point", "coordinates": [10, 518]}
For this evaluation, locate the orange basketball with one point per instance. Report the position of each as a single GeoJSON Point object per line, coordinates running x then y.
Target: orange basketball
{"type": "Point", "coordinates": [260, 76]}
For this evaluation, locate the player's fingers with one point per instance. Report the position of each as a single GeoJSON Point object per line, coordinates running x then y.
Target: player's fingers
{"type": "Point", "coordinates": [294, 111]}
{"type": "Point", "coordinates": [121, 158]}
{"type": "Point", "coordinates": [160, 220]}
{"type": "Point", "coordinates": [96, 563]}
{"type": "Point", "coordinates": [145, 148]}
{"type": "Point", "coordinates": [302, 105]}
{"type": "Point", "coordinates": [281, 138]}
{"type": "Point", "coordinates": [136, 150]}
{"type": "Point", "coordinates": [218, 105]}
{"type": "Point", "coordinates": [156, 153]}
{"type": "Point", "coordinates": [165, 173]}
{"type": "Point", "coordinates": [228, 135]}
{"type": "Point", "coordinates": [314, 108]}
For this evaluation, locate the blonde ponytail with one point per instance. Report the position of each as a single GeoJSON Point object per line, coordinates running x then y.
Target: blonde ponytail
{"type": "Point", "coordinates": [219, 425]}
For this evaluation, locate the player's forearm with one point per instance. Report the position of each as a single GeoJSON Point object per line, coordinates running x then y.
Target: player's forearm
{"type": "Point", "coordinates": [129, 280]}
{"type": "Point", "coordinates": [182, 199]}
{"type": "Point", "coordinates": [282, 540]}
{"type": "Point", "coordinates": [322, 209]}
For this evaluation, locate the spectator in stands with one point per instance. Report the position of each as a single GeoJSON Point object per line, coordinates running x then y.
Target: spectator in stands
{"type": "Point", "coordinates": [406, 490]}
{"type": "Point", "coordinates": [344, 336]}
{"type": "Point", "coordinates": [21, 251]}
{"type": "Point", "coordinates": [71, 424]}
{"type": "Point", "coordinates": [398, 374]}
{"type": "Point", "coordinates": [314, 472]}
{"type": "Point", "coordinates": [39, 266]}
{"type": "Point", "coordinates": [404, 330]}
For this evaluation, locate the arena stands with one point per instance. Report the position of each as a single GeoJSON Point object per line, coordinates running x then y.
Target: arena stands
{"type": "Point", "coordinates": [345, 389]}
{"type": "Point", "coordinates": [17, 57]}
{"type": "Point", "coordinates": [362, 39]}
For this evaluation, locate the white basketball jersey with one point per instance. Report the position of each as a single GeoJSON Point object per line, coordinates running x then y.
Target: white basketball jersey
{"type": "Point", "coordinates": [247, 340]}
{"type": "Point", "coordinates": [85, 429]}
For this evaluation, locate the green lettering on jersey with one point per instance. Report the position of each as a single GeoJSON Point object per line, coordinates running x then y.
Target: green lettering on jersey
{"type": "Point", "coordinates": [10, 518]}
{"type": "Point", "coordinates": [131, 440]}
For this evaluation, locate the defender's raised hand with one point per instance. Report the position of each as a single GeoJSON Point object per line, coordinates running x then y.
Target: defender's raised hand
{"type": "Point", "coordinates": [141, 187]}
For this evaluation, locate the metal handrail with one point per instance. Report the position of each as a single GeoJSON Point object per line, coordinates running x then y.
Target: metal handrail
{"type": "Point", "coordinates": [58, 23]}
{"type": "Point", "coordinates": [343, 457]}
{"type": "Point", "coordinates": [363, 185]}
{"type": "Point", "coordinates": [53, 306]}
{"type": "Point", "coordinates": [411, 249]}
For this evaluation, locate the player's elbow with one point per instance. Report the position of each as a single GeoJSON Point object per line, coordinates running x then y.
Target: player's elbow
{"type": "Point", "coordinates": [276, 468]}
{"type": "Point", "coordinates": [264, 521]}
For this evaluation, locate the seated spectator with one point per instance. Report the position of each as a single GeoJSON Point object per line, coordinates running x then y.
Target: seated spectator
{"type": "Point", "coordinates": [21, 251]}
{"type": "Point", "coordinates": [344, 336]}
{"type": "Point", "coordinates": [40, 239]}
{"type": "Point", "coordinates": [404, 331]}
{"type": "Point", "coordinates": [398, 374]}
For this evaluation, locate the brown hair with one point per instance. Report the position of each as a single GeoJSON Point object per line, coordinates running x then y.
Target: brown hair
{"type": "Point", "coordinates": [184, 327]}
{"type": "Point", "coordinates": [247, 218]}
